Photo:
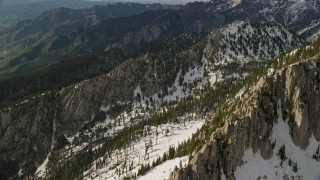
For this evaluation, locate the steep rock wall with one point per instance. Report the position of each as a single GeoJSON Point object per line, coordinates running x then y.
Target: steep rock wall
{"type": "Point", "coordinates": [294, 88]}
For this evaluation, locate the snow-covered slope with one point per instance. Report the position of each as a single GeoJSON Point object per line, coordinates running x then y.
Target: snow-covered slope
{"type": "Point", "coordinates": [162, 171]}
{"type": "Point", "coordinates": [235, 50]}
{"type": "Point", "coordinates": [126, 162]}
{"type": "Point", "coordinates": [244, 42]}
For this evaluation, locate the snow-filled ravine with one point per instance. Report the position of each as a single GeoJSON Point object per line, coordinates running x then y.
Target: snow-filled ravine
{"type": "Point", "coordinates": [299, 163]}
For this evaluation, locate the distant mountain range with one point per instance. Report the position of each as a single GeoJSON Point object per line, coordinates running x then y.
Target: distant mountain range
{"type": "Point", "coordinates": [62, 33]}
{"type": "Point", "coordinates": [9, 15]}
{"type": "Point", "coordinates": [31, 44]}
{"type": "Point", "coordinates": [18, 2]}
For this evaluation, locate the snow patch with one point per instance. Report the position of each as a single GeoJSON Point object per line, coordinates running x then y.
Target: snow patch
{"type": "Point", "coordinates": [137, 91]}
{"type": "Point", "coordinates": [270, 72]}
{"type": "Point", "coordinates": [41, 170]}
{"type": "Point", "coordinates": [162, 171]}
{"type": "Point", "coordinates": [292, 53]}
{"type": "Point", "coordinates": [54, 128]}
{"type": "Point", "coordinates": [240, 93]}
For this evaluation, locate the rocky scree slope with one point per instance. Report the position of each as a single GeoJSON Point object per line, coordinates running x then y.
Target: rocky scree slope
{"type": "Point", "coordinates": [270, 130]}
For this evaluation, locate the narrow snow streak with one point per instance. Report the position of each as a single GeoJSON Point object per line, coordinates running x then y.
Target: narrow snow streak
{"type": "Point", "coordinates": [41, 170]}
{"type": "Point", "coordinates": [54, 128]}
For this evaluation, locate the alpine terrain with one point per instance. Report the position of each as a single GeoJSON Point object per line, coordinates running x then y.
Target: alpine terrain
{"type": "Point", "coordinates": [222, 89]}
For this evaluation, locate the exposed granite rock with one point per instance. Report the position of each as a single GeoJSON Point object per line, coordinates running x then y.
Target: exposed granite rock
{"type": "Point", "coordinates": [296, 87]}
{"type": "Point", "coordinates": [25, 134]}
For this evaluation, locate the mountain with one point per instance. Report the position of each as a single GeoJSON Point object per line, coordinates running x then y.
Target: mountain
{"type": "Point", "coordinates": [61, 74]}
{"type": "Point", "coordinates": [11, 3]}
{"type": "Point", "coordinates": [107, 104]}
{"type": "Point", "coordinates": [9, 15]}
{"type": "Point", "coordinates": [138, 67]}
{"type": "Point", "coordinates": [135, 32]}
{"type": "Point", "coordinates": [267, 131]}
{"type": "Point", "coordinates": [211, 90]}
{"type": "Point", "coordinates": [27, 45]}
{"type": "Point", "coordinates": [25, 48]}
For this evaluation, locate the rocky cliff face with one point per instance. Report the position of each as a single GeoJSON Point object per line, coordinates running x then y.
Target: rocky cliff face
{"type": "Point", "coordinates": [281, 110]}
{"type": "Point", "coordinates": [26, 132]}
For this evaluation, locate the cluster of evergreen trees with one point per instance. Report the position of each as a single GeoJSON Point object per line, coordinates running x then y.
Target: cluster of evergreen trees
{"type": "Point", "coordinates": [171, 154]}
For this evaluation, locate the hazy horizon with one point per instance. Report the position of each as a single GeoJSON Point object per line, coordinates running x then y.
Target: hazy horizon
{"type": "Point", "coordinates": [20, 2]}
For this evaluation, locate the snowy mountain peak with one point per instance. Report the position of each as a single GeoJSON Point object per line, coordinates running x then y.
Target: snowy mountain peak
{"type": "Point", "coordinates": [297, 14]}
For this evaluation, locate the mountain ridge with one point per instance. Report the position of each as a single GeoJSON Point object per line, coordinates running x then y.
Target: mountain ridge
{"type": "Point", "coordinates": [29, 44]}
{"type": "Point", "coordinates": [65, 41]}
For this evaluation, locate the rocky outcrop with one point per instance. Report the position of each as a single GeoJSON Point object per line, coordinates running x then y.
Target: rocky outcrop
{"type": "Point", "coordinates": [26, 134]}
{"type": "Point", "coordinates": [251, 119]}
